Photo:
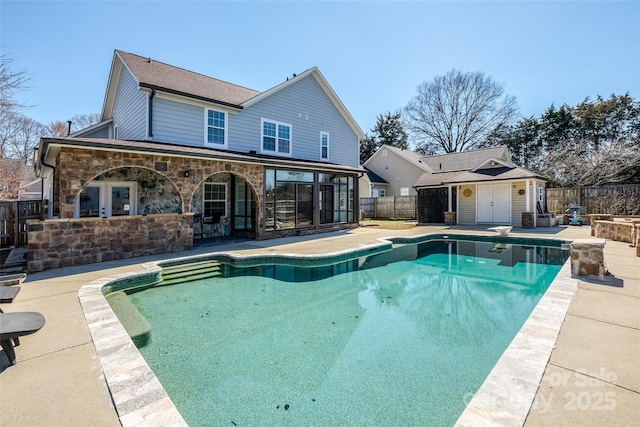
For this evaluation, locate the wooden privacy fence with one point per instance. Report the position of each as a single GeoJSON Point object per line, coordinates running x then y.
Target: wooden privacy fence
{"type": "Point", "coordinates": [13, 221]}
{"type": "Point", "coordinates": [607, 199]}
{"type": "Point", "coordinates": [397, 207]}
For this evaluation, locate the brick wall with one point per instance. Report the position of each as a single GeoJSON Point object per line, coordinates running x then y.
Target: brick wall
{"type": "Point", "coordinates": [67, 242]}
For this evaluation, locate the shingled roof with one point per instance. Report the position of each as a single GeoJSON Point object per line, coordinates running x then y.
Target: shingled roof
{"type": "Point", "coordinates": [469, 166]}
{"type": "Point", "coordinates": [465, 160]}
{"type": "Point", "coordinates": [157, 75]}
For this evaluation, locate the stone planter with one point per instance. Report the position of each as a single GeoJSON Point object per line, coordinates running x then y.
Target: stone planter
{"type": "Point", "coordinates": [528, 220]}
{"type": "Point", "coordinates": [450, 218]}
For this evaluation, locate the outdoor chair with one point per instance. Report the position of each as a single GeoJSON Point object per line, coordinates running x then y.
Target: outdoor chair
{"type": "Point", "coordinates": [15, 325]}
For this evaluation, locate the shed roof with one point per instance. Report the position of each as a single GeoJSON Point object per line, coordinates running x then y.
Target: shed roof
{"type": "Point", "coordinates": [51, 146]}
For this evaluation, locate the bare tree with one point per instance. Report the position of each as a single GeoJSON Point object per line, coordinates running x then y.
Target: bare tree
{"type": "Point", "coordinates": [10, 82]}
{"type": "Point", "coordinates": [60, 129]}
{"type": "Point", "coordinates": [457, 112]}
{"type": "Point", "coordinates": [12, 175]}
{"type": "Point", "coordinates": [83, 121]}
{"type": "Point", "coordinates": [57, 129]}
{"type": "Point", "coordinates": [26, 139]}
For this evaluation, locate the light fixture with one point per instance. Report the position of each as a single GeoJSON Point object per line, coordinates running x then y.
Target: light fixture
{"type": "Point", "coordinates": [186, 173]}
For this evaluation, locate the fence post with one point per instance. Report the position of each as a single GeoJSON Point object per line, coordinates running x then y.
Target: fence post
{"type": "Point", "coordinates": [394, 207]}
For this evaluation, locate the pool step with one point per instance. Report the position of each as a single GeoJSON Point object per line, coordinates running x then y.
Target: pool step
{"type": "Point", "coordinates": [189, 272]}
{"type": "Point", "coordinates": [134, 323]}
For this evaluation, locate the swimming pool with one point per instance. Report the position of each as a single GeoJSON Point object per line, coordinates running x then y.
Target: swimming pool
{"type": "Point", "coordinates": [366, 341]}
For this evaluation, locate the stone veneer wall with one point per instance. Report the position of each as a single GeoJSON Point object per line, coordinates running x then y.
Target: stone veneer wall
{"type": "Point", "coordinates": [76, 167]}
{"type": "Point", "coordinates": [587, 257]}
{"type": "Point", "coordinates": [613, 230]}
{"type": "Point", "coordinates": [67, 242]}
{"type": "Point", "coordinates": [528, 220]}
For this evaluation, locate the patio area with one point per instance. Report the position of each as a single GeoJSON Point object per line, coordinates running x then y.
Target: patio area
{"type": "Point", "coordinates": [592, 377]}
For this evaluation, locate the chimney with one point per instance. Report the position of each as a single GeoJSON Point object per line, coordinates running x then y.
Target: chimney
{"type": "Point", "coordinates": [69, 131]}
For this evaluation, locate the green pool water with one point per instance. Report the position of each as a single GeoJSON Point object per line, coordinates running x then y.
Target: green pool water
{"type": "Point", "coordinates": [400, 338]}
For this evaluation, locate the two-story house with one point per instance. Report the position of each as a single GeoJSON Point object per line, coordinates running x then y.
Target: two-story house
{"type": "Point", "coordinates": [179, 154]}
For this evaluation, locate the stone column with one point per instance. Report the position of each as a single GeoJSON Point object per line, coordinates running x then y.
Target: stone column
{"type": "Point", "coordinates": [450, 218]}
{"type": "Point", "coordinates": [527, 220]}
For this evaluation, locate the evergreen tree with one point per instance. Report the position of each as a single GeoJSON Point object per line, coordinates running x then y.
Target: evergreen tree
{"type": "Point", "coordinates": [388, 130]}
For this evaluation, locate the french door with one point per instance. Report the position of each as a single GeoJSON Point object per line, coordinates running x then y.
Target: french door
{"type": "Point", "coordinates": [107, 198]}
{"type": "Point", "coordinates": [494, 204]}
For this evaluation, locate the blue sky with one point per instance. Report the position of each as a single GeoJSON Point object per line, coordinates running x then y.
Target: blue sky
{"type": "Point", "coordinates": [373, 54]}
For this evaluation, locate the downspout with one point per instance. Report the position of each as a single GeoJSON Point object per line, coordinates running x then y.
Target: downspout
{"type": "Point", "coordinates": [153, 93]}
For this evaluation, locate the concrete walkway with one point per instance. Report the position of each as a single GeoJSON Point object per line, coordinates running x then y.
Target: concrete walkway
{"type": "Point", "coordinates": [593, 377]}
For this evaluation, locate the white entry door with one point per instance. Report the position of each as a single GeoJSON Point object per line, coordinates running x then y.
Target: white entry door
{"type": "Point", "coordinates": [105, 199]}
{"type": "Point", "coordinates": [494, 204]}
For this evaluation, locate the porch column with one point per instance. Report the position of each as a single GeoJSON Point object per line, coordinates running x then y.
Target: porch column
{"type": "Point", "coordinates": [527, 184]}
{"type": "Point", "coordinates": [449, 191]}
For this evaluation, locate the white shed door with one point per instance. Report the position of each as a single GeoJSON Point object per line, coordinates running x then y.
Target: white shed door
{"type": "Point", "coordinates": [501, 203]}
{"type": "Point", "coordinates": [485, 203]}
{"type": "Point", "coordinates": [494, 204]}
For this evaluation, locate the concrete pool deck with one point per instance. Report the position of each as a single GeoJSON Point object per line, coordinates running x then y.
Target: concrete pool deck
{"type": "Point", "coordinates": [592, 377]}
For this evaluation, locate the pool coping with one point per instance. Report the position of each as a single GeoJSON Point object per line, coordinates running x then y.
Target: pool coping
{"type": "Point", "coordinates": [504, 398]}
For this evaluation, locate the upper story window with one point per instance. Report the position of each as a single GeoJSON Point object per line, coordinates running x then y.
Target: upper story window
{"type": "Point", "coordinates": [216, 130]}
{"type": "Point", "coordinates": [276, 137]}
{"type": "Point", "coordinates": [324, 145]}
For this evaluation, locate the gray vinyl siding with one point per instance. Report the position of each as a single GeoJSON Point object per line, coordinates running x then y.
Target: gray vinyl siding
{"type": "Point", "coordinates": [306, 107]}
{"type": "Point", "coordinates": [467, 205]}
{"type": "Point", "coordinates": [130, 108]}
{"type": "Point", "coordinates": [98, 133]}
{"type": "Point", "coordinates": [396, 170]}
{"type": "Point", "coordinates": [178, 123]}
{"type": "Point", "coordinates": [303, 105]}
{"type": "Point", "coordinates": [47, 192]}
{"type": "Point", "coordinates": [518, 203]}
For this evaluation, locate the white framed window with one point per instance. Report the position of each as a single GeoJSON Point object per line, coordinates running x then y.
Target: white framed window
{"type": "Point", "coordinates": [215, 132]}
{"type": "Point", "coordinates": [215, 199]}
{"type": "Point", "coordinates": [382, 192]}
{"type": "Point", "coordinates": [275, 137]}
{"type": "Point", "coordinates": [404, 191]}
{"type": "Point", "coordinates": [324, 145]}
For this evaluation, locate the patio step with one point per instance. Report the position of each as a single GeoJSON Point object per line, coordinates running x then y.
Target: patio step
{"type": "Point", "coordinates": [190, 272]}
{"type": "Point", "coordinates": [134, 323]}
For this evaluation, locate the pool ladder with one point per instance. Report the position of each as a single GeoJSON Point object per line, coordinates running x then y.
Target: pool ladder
{"type": "Point", "coordinates": [189, 272]}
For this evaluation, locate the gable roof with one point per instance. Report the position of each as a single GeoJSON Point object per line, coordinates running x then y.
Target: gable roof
{"type": "Point", "coordinates": [155, 75]}
{"type": "Point", "coordinates": [316, 74]}
{"type": "Point", "coordinates": [466, 160]}
{"type": "Point", "coordinates": [488, 164]}
{"type": "Point", "coordinates": [373, 178]}
{"type": "Point", "coordinates": [412, 157]}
